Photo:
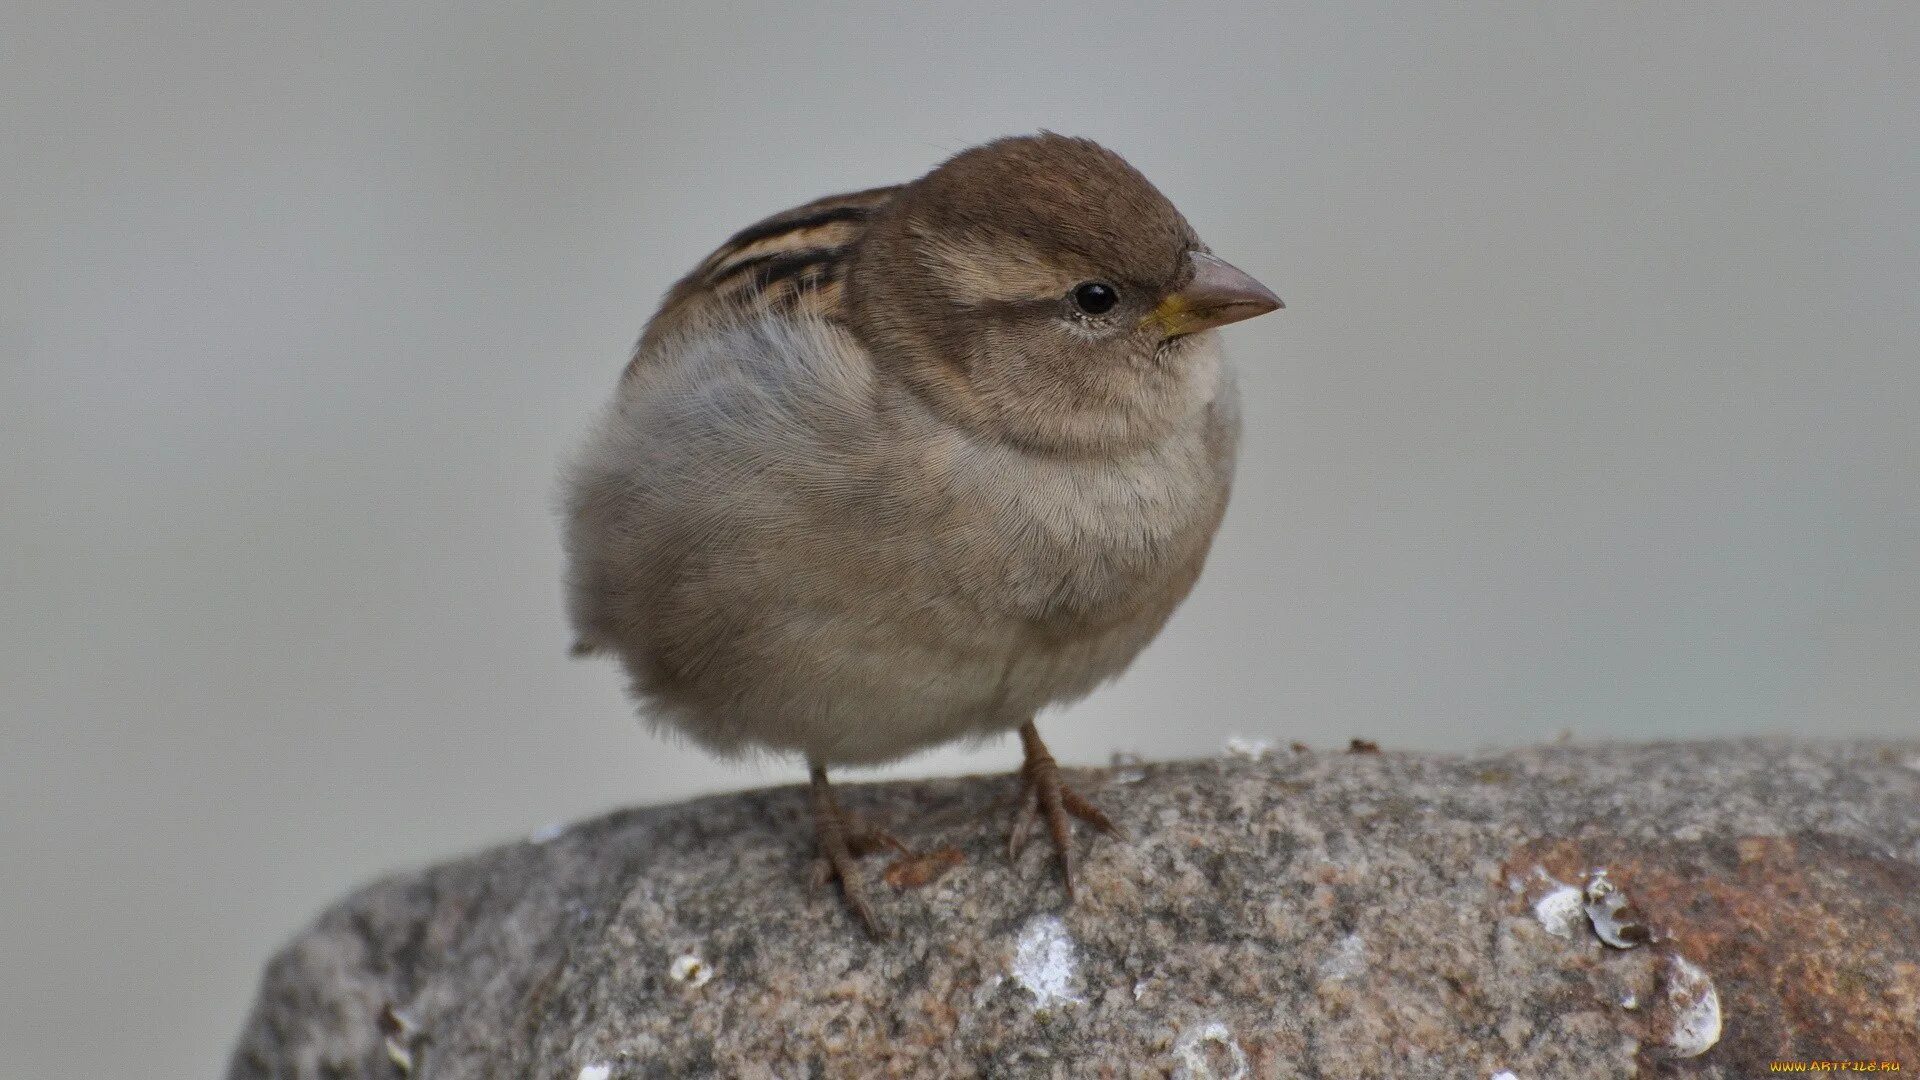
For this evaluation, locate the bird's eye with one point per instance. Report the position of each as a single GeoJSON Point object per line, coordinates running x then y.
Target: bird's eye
{"type": "Point", "coordinates": [1095, 297]}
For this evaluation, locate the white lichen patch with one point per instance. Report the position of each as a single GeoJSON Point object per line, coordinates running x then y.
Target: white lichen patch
{"type": "Point", "coordinates": [402, 1032]}
{"type": "Point", "coordinates": [1504, 1074]}
{"type": "Point", "coordinates": [1606, 906]}
{"type": "Point", "coordinates": [1045, 961]}
{"type": "Point", "coordinates": [1251, 749]}
{"type": "Point", "coordinates": [1565, 910]}
{"type": "Point", "coordinates": [1348, 961]}
{"type": "Point", "coordinates": [595, 1072]}
{"type": "Point", "coordinates": [1562, 912]}
{"type": "Point", "coordinates": [690, 969]}
{"type": "Point", "coordinates": [1696, 1008]}
{"type": "Point", "coordinates": [1195, 1054]}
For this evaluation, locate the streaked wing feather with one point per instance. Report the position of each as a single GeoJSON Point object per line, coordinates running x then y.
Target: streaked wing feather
{"type": "Point", "coordinates": [792, 263]}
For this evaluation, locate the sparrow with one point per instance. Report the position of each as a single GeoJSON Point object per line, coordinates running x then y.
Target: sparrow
{"type": "Point", "coordinates": [909, 465]}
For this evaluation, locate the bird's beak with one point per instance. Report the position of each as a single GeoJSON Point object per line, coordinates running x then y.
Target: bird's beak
{"type": "Point", "coordinates": [1218, 294]}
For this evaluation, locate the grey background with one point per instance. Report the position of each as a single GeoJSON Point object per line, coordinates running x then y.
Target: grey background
{"type": "Point", "coordinates": [1593, 410]}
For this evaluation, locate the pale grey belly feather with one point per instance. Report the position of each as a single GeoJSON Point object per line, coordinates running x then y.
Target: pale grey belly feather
{"type": "Point", "coordinates": [779, 572]}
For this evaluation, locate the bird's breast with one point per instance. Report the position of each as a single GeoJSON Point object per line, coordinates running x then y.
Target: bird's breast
{"type": "Point", "coordinates": [1068, 545]}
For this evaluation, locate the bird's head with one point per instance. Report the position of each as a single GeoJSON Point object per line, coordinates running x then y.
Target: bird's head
{"type": "Point", "coordinates": [1039, 290]}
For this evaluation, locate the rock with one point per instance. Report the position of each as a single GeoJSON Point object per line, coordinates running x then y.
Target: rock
{"type": "Point", "coordinates": [1280, 914]}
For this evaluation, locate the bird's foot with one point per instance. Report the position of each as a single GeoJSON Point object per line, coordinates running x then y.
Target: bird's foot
{"type": "Point", "coordinates": [844, 841]}
{"type": "Point", "coordinates": [1044, 795]}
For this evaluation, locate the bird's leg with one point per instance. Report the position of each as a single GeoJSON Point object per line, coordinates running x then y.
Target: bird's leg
{"type": "Point", "coordinates": [841, 842]}
{"type": "Point", "coordinates": [1043, 795]}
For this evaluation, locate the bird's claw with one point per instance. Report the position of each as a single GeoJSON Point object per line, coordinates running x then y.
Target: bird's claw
{"type": "Point", "coordinates": [842, 843]}
{"type": "Point", "coordinates": [1045, 795]}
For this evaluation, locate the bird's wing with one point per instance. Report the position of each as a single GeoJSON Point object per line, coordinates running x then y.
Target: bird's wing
{"type": "Point", "coordinates": [792, 263]}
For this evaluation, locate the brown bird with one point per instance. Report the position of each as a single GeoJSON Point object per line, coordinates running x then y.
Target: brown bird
{"type": "Point", "coordinates": [911, 464]}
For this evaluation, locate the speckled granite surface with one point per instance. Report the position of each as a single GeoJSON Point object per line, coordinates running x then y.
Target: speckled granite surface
{"type": "Point", "coordinates": [1291, 914]}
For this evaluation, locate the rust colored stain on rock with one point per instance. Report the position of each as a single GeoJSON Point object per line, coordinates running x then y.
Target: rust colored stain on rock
{"type": "Point", "coordinates": [1812, 941]}
{"type": "Point", "coordinates": [914, 871]}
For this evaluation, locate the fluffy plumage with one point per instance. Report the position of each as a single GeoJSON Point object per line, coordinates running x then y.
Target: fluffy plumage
{"type": "Point", "coordinates": [872, 480]}
{"type": "Point", "coordinates": [791, 552]}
